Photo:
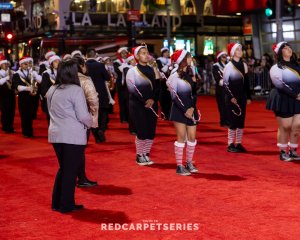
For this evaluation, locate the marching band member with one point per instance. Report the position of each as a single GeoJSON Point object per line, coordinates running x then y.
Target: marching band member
{"type": "Point", "coordinates": [237, 89]}
{"type": "Point", "coordinates": [48, 79]}
{"type": "Point", "coordinates": [37, 80]}
{"type": "Point", "coordinates": [122, 54]}
{"type": "Point", "coordinates": [183, 111]}
{"type": "Point", "coordinates": [217, 71]}
{"type": "Point", "coordinates": [130, 63]}
{"type": "Point", "coordinates": [111, 84]}
{"type": "Point", "coordinates": [284, 100]}
{"type": "Point", "coordinates": [93, 106]}
{"type": "Point", "coordinates": [7, 97]}
{"type": "Point", "coordinates": [22, 82]}
{"type": "Point", "coordinates": [143, 85]}
{"type": "Point", "coordinates": [163, 64]}
{"type": "Point", "coordinates": [44, 65]}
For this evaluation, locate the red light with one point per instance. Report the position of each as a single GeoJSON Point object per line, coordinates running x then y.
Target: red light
{"type": "Point", "coordinates": [9, 36]}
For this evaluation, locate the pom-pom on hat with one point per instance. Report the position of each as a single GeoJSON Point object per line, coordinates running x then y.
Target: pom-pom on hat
{"type": "Point", "coordinates": [277, 46]}
{"type": "Point", "coordinates": [231, 47]}
{"type": "Point", "coordinates": [220, 54]}
{"type": "Point", "coordinates": [53, 58]}
{"type": "Point", "coordinates": [3, 59]}
{"type": "Point", "coordinates": [49, 54]}
{"type": "Point", "coordinates": [24, 60]}
{"type": "Point", "coordinates": [178, 56]}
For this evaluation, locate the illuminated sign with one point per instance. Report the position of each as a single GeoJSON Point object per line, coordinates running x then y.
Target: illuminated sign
{"type": "Point", "coordinates": [208, 47]}
{"type": "Point", "coordinates": [6, 6]}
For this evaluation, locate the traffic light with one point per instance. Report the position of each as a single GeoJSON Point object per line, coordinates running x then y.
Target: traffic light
{"type": "Point", "coordinates": [9, 36]}
{"type": "Point", "coordinates": [289, 8]}
{"type": "Point", "coordinates": [270, 10]}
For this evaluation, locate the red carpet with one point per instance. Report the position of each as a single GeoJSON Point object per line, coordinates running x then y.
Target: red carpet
{"type": "Point", "coordinates": [235, 196]}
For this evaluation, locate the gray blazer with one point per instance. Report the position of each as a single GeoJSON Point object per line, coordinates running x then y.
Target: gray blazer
{"type": "Point", "coordinates": [69, 116]}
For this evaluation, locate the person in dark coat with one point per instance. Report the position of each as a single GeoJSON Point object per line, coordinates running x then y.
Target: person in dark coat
{"type": "Point", "coordinates": [7, 97]}
{"type": "Point", "coordinates": [163, 64]}
{"type": "Point", "coordinates": [217, 70]}
{"type": "Point", "coordinates": [120, 83]}
{"type": "Point", "coordinates": [99, 76]}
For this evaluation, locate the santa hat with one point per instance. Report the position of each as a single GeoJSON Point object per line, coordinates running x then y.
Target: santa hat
{"type": "Point", "coordinates": [99, 59]}
{"type": "Point", "coordinates": [106, 58]}
{"type": "Point", "coordinates": [122, 49]}
{"type": "Point", "coordinates": [231, 47]}
{"type": "Point", "coordinates": [3, 59]}
{"type": "Point", "coordinates": [136, 50]}
{"type": "Point", "coordinates": [53, 58]}
{"type": "Point", "coordinates": [129, 58]}
{"type": "Point", "coordinates": [24, 60]}
{"type": "Point", "coordinates": [49, 54]}
{"type": "Point", "coordinates": [66, 56]}
{"type": "Point", "coordinates": [30, 59]}
{"type": "Point", "coordinates": [277, 46]}
{"type": "Point", "coordinates": [164, 49]}
{"type": "Point", "coordinates": [76, 52]}
{"type": "Point", "coordinates": [178, 56]}
{"type": "Point", "coordinates": [220, 54]}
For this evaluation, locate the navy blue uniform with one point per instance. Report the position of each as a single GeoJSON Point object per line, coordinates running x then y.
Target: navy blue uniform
{"type": "Point", "coordinates": [185, 88]}
{"type": "Point", "coordinates": [143, 77]}
{"type": "Point", "coordinates": [282, 99]}
{"type": "Point", "coordinates": [236, 78]}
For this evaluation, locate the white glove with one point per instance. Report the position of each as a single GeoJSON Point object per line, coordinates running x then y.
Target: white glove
{"type": "Point", "coordinates": [3, 80]}
{"type": "Point", "coordinates": [165, 68]}
{"type": "Point", "coordinates": [37, 77]}
{"type": "Point", "coordinates": [24, 88]}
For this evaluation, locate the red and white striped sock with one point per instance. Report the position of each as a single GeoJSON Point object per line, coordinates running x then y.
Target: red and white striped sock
{"type": "Point", "coordinates": [293, 146]}
{"type": "Point", "coordinates": [282, 146]}
{"type": "Point", "coordinates": [190, 149]}
{"type": "Point", "coordinates": [139, 144]}
{"type": "Point", "coordinates": [239, 135]}
{"type": "Point", "coordinates": [231, 136]}
{"type": "Point", "coordinates": [147, 146]}
{"type": "Point", "coordinates": [179, 152]}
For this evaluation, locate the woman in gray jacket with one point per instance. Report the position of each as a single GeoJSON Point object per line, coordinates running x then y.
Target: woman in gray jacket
{"type": "Point", "coordinates": [69, 121]}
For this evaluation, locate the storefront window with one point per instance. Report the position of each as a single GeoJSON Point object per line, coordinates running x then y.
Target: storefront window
{"type": "Point", "coordinates": [100, 6]}
{"type": "Point", "coordinates": [177, 7]}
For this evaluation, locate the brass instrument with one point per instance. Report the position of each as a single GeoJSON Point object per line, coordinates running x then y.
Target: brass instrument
{"type": "Point", "coordinates": [111, 82]}
{"type": "Point", "coordinates": [33, 84]}
{"type": "Point", "coordinates": [9, 81]}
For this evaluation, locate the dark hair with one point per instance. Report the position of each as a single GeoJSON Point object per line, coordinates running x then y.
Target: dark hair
{"type": "Point", "coordinates": [91, 52]}
{"type": "Point", "coordinates": [80, 62]}
{"type": "Point", "coordinates": [184, 63]}
{"type": "Point", "coordinates": [279, 57]}
{"type": "Point", "coordinates": [67, 73]}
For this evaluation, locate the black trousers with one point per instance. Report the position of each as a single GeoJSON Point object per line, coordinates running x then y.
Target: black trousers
{"type": "Point", "coordinates": [144, 119]}
{"type": "Point", "coordinates": [25, 103]}
{"type": "Point", "coordinates": [165, 99]}
{"type": "Point", "coordinates": [220, 97]}
{"type": "Point", "coordinates": [103, 118]}
{"type": "Point", "coordinates": [69, 157]}
{"type": "Point", "coordinates": [8, 100]}
{"type": "Point", "coordinates": [123, 102]}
